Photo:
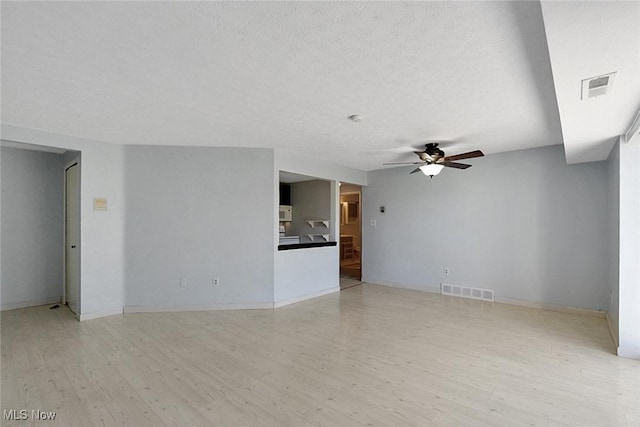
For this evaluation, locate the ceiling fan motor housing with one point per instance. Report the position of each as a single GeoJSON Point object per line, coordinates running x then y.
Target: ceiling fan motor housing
{"type": "Point", "coordinates": [433, 160]}
{"type": "Point", "coordinates": [433, 150]}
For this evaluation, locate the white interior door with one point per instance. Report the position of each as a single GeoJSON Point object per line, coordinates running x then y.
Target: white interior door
{"type": "Point", "coordinates": [72, 237]}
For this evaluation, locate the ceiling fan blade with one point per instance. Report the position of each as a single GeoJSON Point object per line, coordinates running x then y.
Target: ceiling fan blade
{"type": "Point", "coordinates": [404, 163]}
{"type": "Point", "coordinates": [424, 156]}
{"type": "Point", "coordinates": [469, 155]}
{"type": "Point", "coordinates": [414, 171]}
{"type": "Point", "coordinates": [456, 165]}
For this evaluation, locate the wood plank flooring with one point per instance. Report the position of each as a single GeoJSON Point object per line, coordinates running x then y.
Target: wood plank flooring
{"type": "Point", "coordinates": [369, 355]}
{"type": "Point", "coordinates": [348, 282]}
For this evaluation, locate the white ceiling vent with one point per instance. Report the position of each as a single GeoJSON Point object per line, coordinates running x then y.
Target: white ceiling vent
{"type": "Point", "coordinates": [598, 86]}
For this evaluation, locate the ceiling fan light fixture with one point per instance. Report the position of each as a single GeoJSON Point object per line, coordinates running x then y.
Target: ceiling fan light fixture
{"type": "Point", "coordinates": [431, 169]}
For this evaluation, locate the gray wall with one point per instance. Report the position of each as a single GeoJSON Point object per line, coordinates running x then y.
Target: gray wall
{"type": "Point", "coordinates": [32, 226]}
{"type": "Point", "coordinates": [102, 269]}
{"type": "Point", "coordinates": [629, 260]}
{"type": "Point", "coordinates": [613, 230]}
{"type": "Point", "coordinates": [103, 255]}
{"type": "Point", "coordinates": [199, 213]}
{"type": "Point", "coordinates": [304, 273]}
{"type": "Point", "coordinates": [309, 200]}
{"type": "Point", "coordinates": [522, 223]}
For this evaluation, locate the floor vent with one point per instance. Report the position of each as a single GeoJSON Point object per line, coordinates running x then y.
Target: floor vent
{"type": "Point", "coordinates": [467, 292]}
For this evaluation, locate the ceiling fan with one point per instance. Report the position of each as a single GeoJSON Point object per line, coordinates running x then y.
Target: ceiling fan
{"type": "Point", "coordinates": [433, 160]}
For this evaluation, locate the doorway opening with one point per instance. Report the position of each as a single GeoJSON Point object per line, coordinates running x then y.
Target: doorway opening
{"type": "Point", "coordinates": [34, 224]}
{"type": "Point", "coordinates": [350, 235]}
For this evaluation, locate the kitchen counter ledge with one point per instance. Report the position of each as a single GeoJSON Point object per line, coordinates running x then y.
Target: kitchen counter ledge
{"type": "Point", "coordinates": [305, 245]}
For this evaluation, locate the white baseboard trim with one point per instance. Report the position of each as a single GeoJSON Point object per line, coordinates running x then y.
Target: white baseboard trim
{"type": "Point", "coordinates": [552, 307]}
{"type": "Point", "coordinates": [614, 336]}
{"type": "Point", "coordinates": [629, 353]}
{"type": "Point", "coordinates": [402, 286]}
{"type": "Point", "coordinates": [30, 303]}
{"type": "Point", "coordinates": [305, 297]}
{"type": "Point", "coordinates": [542, 306]}
{"type": "Point", "coordinates": [98, 314]}
{"type": "Point", "coordinates": [214, 307]}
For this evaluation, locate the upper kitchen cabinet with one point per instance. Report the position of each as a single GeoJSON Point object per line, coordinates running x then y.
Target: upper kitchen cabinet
{"type": "Point", "coordinates": [285, 194]}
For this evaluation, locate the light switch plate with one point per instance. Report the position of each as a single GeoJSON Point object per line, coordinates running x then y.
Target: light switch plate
{"type": "Point", "coordinates": [100, 204]}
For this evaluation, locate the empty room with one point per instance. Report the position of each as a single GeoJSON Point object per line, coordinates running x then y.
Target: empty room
{"type": "Point", "coordinates": [320, 213]}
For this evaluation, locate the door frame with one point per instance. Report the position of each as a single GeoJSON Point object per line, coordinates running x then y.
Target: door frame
{"type": "Point", "coordinates": [71, 163]}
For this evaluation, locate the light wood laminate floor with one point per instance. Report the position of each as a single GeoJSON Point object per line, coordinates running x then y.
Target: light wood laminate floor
{"type": "Point", "coordinates": [369, 355]}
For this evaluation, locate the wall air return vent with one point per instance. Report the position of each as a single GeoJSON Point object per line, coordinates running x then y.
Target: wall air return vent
{"type": "Point", "coordinates": [598, 86]}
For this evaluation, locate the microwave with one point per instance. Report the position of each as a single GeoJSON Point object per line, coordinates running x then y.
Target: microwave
{"type": "Point", "coordinates": [285, 213]}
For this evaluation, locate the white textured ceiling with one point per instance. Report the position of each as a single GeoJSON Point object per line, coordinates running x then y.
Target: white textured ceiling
{"type": "Point", "coordinates": [285, 75]}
